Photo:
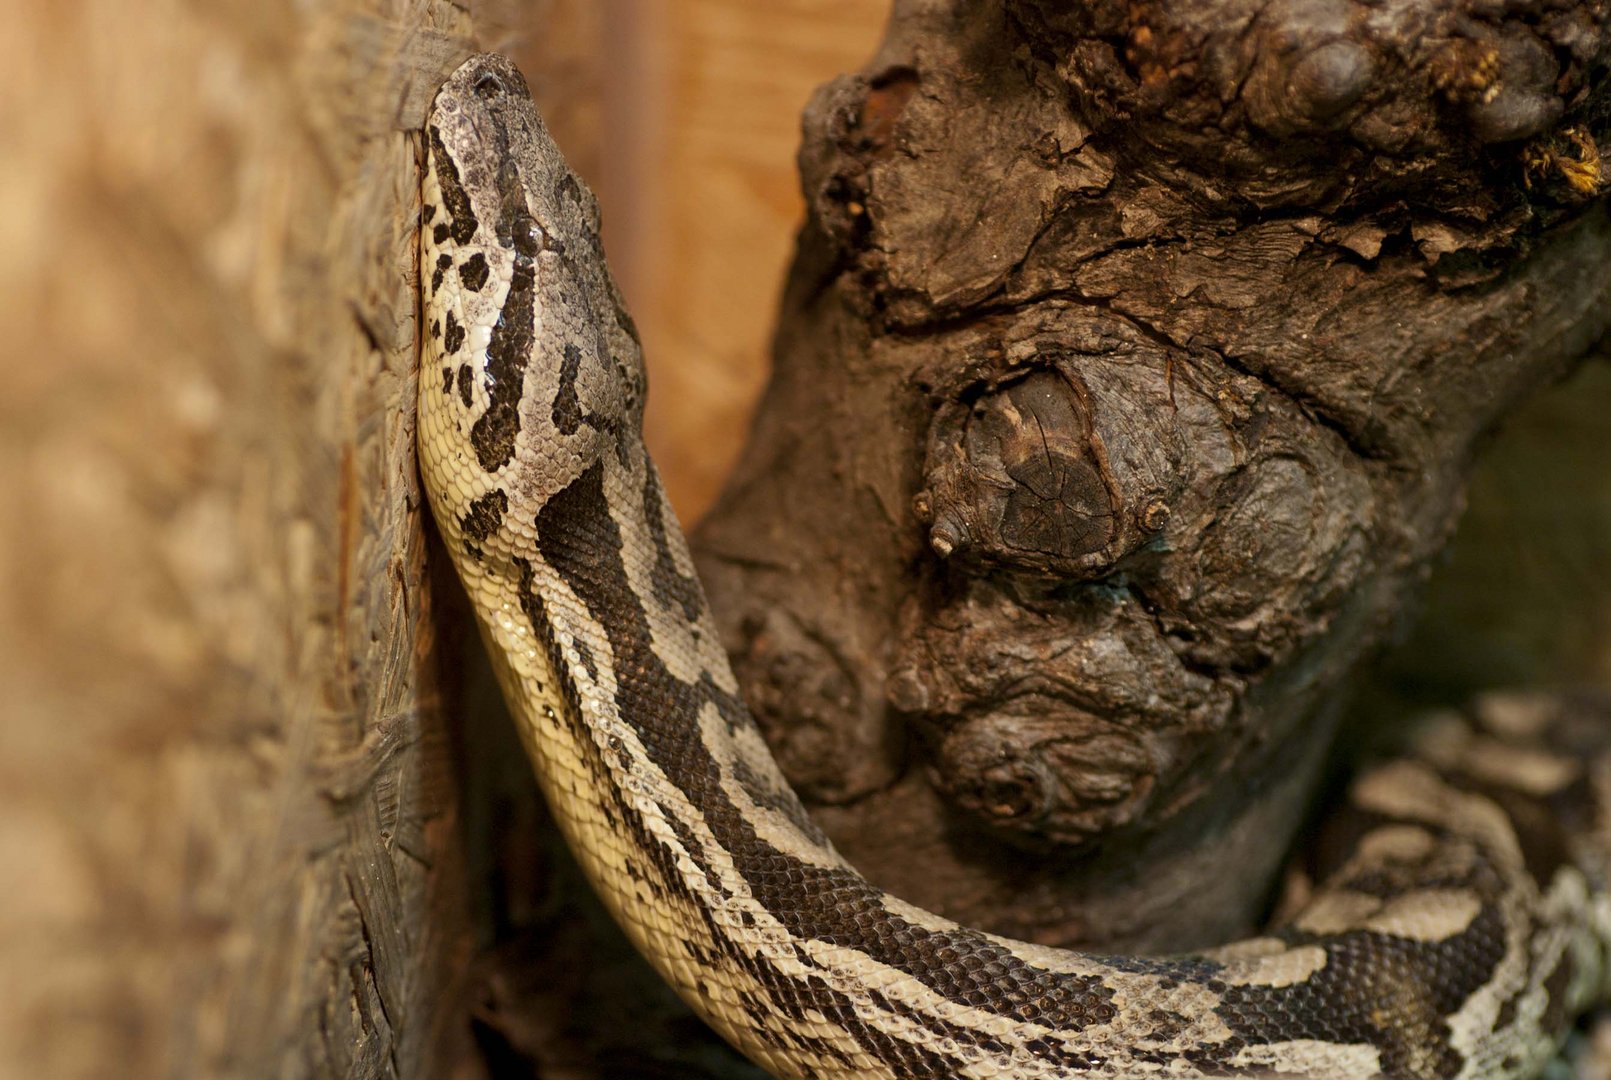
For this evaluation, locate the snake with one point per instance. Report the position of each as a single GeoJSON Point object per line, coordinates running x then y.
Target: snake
{"type": "Point", "coordinates": [1464, 927]}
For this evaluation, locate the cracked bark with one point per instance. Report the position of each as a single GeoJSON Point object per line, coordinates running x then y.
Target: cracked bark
{"type": "Point", "coordinates": [1126, 383]}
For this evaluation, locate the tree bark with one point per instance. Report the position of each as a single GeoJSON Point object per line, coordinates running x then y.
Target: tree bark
{"type": "Point", "coordinates": [232, 822]}
{"type": "Point", "coordinates": [1129, 372]}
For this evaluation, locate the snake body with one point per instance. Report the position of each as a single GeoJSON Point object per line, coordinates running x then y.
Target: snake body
{"type": "Point", "coordinates": [1458, 939]}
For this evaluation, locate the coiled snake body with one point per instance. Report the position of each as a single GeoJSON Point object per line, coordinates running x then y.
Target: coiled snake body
{"type": "Point", "coordinates": [1458, 940]}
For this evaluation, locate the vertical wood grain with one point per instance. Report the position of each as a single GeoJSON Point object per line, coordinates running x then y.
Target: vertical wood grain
{"type": "Point", "coordinates": [229, 840]}
{"type": "Point", "coordinates": [710, 104]}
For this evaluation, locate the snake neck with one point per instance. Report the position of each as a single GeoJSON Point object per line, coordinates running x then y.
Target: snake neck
{"type": "Point", "coordinates": [637, 659]}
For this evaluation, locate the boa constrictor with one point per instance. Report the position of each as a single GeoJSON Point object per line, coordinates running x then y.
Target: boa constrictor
{"type": "Point", "coordinates": [1458, 939]}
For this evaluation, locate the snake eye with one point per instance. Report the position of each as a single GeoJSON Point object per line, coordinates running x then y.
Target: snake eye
{"type": "Point", "coordinates": [488, 86]}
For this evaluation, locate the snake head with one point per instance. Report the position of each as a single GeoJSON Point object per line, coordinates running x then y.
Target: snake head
{"type": "Point", "coordinates": [532, 368]}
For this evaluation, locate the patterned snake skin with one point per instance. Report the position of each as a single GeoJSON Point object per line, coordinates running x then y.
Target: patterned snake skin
{"type": "Point", "coordinates": [1459, 937]}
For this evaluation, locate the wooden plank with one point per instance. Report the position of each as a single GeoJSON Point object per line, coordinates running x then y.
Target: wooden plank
{"type": "Point", "coordinates": [711, 201]}
{"type": "Point", "coordinates": [230, 819]}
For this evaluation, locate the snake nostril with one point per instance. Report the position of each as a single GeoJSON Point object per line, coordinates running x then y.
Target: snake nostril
{"type": "Point", "coordinates": [488, 86]}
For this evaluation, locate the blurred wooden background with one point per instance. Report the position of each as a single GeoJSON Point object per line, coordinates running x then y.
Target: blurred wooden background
{"type": "Point", "coordinates": [684, 116]}
{"type": "Point", "coordinates": [231, 834]}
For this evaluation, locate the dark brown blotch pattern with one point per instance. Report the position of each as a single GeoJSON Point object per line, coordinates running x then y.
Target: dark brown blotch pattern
{"type": "Point", "coordinates": [453, 335]}
{"type": "Point", "coordinates": [454, 199]}
{"type": "Point", "coordinates": [510, 348]}
{"type": "Point", "coordinates": [567, 408]}
{"type": "Point", "coordinates": [473, 272]}
{"type": "Point", "coordinates": [485, 515]}
{"type": "Point", "coordinates": [672, 588]}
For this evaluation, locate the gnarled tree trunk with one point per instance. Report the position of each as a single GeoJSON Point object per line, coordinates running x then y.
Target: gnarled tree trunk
{"type": "Point", "coordinates": [1131, 367]}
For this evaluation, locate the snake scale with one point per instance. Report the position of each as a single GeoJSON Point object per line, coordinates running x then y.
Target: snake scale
{"type": "Point", "coordinates": [1459, 938]}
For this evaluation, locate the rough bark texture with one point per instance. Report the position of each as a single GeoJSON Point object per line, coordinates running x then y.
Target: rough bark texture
{"type": "Point", "coordinates": [230, 839]}
{"type": "Point", "coordinates": [1129, 373]}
